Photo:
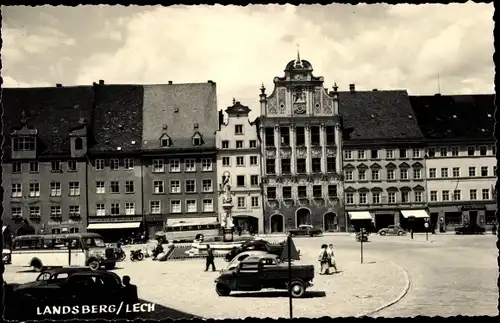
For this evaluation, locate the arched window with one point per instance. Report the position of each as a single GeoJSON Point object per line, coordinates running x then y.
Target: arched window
{"type": "Point", "coordinates": [78, 144]}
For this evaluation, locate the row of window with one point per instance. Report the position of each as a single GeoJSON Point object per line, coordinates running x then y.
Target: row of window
{"type": "Point", "coordinates": [55, 166]}
{"type": "Point", "coordinates": [55, 211]}
{"type": "Point", "coordinates": [196, 139]}
{"type": "Point", "coordinates": [240, 161]}
{"type": "Point", "coordinates": [34, 189]}
{"type": "Point", "coordinates": [155, 207]}
{"type": "Point", "coordinates": [389, 154]}
{"type": "Point", "coordinates": [239, 144]}
{"type": "Point", "coordinates": [457, 151]}
{"type": "Point", "coordinates": [457, 195]}
{"type": "Point", "coordinates": [285, 137]}
{"type": "Point", "coordinates": [378, 198]}
{"type": "Point", "coordinates": [300, 165]}
{"type": "Point", "coordinates": [159, 165]}
{"type": "Point", "coordinates": [455, 172]}
{"type": "Point", "coordinates": [301, 192]}
{"type": "Point", "coordinates": [375, 174]}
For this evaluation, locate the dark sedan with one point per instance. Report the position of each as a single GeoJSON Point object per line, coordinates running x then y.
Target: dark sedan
{"type": "Point", "coordinates": [305, 230]}
{"type": "Point", "coordinates": [260, 245]}
{"type": "Point", "coordinates": [470, 229]}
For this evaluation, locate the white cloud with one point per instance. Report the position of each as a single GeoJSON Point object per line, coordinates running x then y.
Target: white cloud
{"type": "Point", "coordinates": [11, 82]}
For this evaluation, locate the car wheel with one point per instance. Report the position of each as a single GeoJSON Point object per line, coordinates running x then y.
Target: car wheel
{"type": "Point", "coordinates": [222, 290]}
{"type": "Point", "coordinates": [297, 289]}
{"type": "Point", "coordinates": [400, 233]}
{"type": "Point", "coordinates": [140, 256]}
{"type": "Point", "coordinates": [382, 233]}
{"type": "Point", "coordinates": [94, 265]}
{"type": "Point", "coordinates": [123, 256]}
{"type": "Point", "coordinates": [36, 264]}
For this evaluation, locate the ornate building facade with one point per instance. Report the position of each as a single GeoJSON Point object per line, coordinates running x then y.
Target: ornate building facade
{"type": "Point", "coordinates": [301, 133]}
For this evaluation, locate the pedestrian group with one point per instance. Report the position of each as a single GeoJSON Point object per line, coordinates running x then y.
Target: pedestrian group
{"type": "Point", "coordinates": [326, 259]}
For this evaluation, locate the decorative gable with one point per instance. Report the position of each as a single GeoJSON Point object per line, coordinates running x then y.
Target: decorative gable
{"type": "Point", "coordinates": [417, 165]}
{"type": "Point", "coordinates": [24, 140]}
{"type": "Point", "coordinates": [165, 141]}
{"type": "Point", "coordinates": [78, 139]}
{"type": "Point", "coordinates": [362, 166]}
{"type": "Point", "coordinates": [404, 165]}
{"type": "Point", "coordinates": [197, 139]}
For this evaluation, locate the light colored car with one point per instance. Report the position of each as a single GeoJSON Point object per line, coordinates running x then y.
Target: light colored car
{"type": "Point", "coordinates": [392, 230]}
{"type": "Point", "coordinates": [242, 256]}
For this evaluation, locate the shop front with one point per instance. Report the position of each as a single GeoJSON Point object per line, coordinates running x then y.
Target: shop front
{"type": "Point", "coordinates": [360, 219]}
{"type": "Point", "coordinates": [58, 227]}
{"type": "Point", "coordinates": [414, 219]}
{"type": "Point", "coordinates": [114, 228]}
{"type": "Point", "coordinates": [448, 217]}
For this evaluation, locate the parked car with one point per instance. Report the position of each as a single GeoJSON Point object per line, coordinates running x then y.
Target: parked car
{"type": "Point", "coordinates": [66, 286]}
{"type": "Point", "coordinates": [6, 256]}
{"type": "Point", "coordinates": [265, 271]}
{"type": "Point", "coordinates": [392, 230]}
{"type": "Point", "coordinates": [305, 230]}
{"type": "Point", "coordinates": [235, 262]}
{"type": "Point", "coordinates": [257, 244]}
{"type": "Point", "coordinates": [470, 229]}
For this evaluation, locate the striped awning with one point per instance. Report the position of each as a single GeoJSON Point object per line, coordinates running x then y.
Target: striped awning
{"type": "Point", "coordinates": [360, 215]}
{"type": "Point", "coordinates": [415, 213]}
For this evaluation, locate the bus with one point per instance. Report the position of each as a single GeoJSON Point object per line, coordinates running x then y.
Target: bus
{"type": "Point", "coordinates": [189, 231]}
{"type": "Point", "coordinates": [40, 251]}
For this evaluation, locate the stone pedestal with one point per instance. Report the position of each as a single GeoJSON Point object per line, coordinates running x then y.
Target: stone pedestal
{"type": "Point", "coordinates": [228, 222]}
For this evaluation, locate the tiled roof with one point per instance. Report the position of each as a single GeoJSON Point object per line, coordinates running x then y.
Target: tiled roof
{"type": "Point", "coordinates": [52, 111]}
{"type": "Point", "coordinates": [455, 116]}
{"type": "Point", "coordinates": [117, 120]}
{"type": "Point", "coordinates": [182, 109]}
{"type": "Point", "coordinates": [378, 115]}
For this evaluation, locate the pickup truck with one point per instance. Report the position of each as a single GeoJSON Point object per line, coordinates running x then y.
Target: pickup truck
{"type": "Point", "coordinates": [265, 271]}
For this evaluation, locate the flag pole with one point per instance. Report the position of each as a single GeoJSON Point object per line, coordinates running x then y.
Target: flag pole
{"type": "Point", "coordinates": [290, 274]}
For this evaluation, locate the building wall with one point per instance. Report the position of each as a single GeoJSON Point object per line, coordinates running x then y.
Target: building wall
{"type": "Point", "coordinates": [247, 191]}
{"type": "Point", "coordinates": [44, 177]}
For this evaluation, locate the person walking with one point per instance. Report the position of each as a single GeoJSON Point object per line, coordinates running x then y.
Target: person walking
{"type": "Point", "coordinates": [323, 260]}
{"type": "Point", "coordinates": [210, 258]}
{"type": "Point", "coordinates": [331, 259]}
{"type": "Point", "coordinates": [494, 228]}
{"type": "Point", "coordinates": [130, 291]}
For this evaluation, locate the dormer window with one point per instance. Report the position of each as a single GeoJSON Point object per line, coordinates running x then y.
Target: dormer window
{"type": "Point", "coordinates": [78, 143]}
{"type": "Point", "coordinates": [23, 143]}
{"type": "Point", "coordinates": [197, 139]}
{"type": "Point", "coordinates": [165, 141]}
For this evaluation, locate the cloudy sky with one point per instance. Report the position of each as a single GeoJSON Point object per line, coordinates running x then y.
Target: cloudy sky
{"type": "Point", "coordinates": [373, 46]}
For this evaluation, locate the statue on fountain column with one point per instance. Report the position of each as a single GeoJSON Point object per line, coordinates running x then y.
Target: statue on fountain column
{"type": "Point", "coordinates": [227, 221]}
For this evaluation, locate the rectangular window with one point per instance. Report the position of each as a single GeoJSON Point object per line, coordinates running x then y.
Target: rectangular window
{"type": "Point", "coordinates": [128, 163]}
{"type": "Point", "coordinates": [34, 190]}
{"type": "Point", "coordinates": [175, 186]}
{"type": "Point", "coordinates": [472, 171]}
{"type": "Point", "coordinates": [405, 197]}
{"type": "Point", "coordinates": [55, 189]}
{"type": "Point", "coordinates": [115, 187]}
{"type": "Point", "coordinates": [315, 139]}
{"type": "Point", "coordinates": [316, 165]}
{"type": "Point", "coordinates": [253, 143]}
{"type": "Point", "coordinates": [486, 194]}
{"type": "Point", "coordinates": [175, 166]}
{"type": "Point", "coordinates": [17, 190]}
{"type": "Point", "coordinates": [418, 197]}
{"type": "Point", "coordinates": [190, 186]}
{"type": "Point", "coordinates": [457, 195]}
{"type": "Point", "coordinates": [361, 175]}
{"type": "Point", "coordinates": [402, 153]}
{"type": "Point", "coordinates": [331, 166]}
{"type": "Point", "coordinates": [99, 187]}
{"type": "Point", "coordinates": [129, 187]}
{"type": "Point", "coordinates": [285, 136]}
{"type": "Point", "coordinates": [226, 161]}
{"type": "Point", "coordinates": [129, 208]}
{"type": "Point", "coordinates": [158, 166]}
{"type": "Point", "coordinates": [240, 161]}
{"type": "Point", "coordinates": [16, 211]}
{"type": "Point", "coordinates": [471, 151]}
{"type": "Point", "coordinates": [99, 164]}
{"type": "Point", "coordinates": [269, 137]}
{"type": "Point", "coordinates": [332, 190]}
{"type": "Point", "coordinates": [434, 196]}
{"type": "Point", "coordinates": [190, 165]}
{"type": "Point", "coordinates": [253, 160]}
{"type": "Point", "coordinates": [455, 151]}
{"type": "Point", "coordinates": [24, 144]}
{"type": "Point", "coordinates": [330, 135]}
{"type": "Point", "coordinates": [456, 171]}
{"type": "Point", "coordinates": [361, 154]}
{"type": "Point", "coordinates": [431, 151]}
{"type": "Point", "coordinates": [445, 196]}
{"type": "Point", "coordinates": [225, 144]}
{"type": "Point", "coordinates": [302, 191]}
{"type": "Point", "coordinates": [389, 153]}
{"type": "Point", "coordinates": [55, 211]}
{"type": "Point", "coordinates": [317, 191]}
{"type": "Point", "coordinates": [255, 201]}
{"type": "Point", "coordinates": [376, 198]}
{"type": "Point", "coordinates": [34, 167]}
{"type": "Point", "coordinates": [347, 154]}
{"type": "Point", "coordinates": [374, 154]}
{"type": "Point", "coordinates": [483, 150]}
{"type": "Point", "coordinates": [208, 205]}
{"type": "Point", "coordinates": [74, 188]}
{"type": "Point", "coordinates": [432, 173]}
{"type": "Point", "coordinates": [74, 210]}
{"type": "Point", "coordinates": [239, 144]}
{"type": "Point", "coordinates": [206, 165]}
{"type": "Point", "coordinates": [444, 172]}
{"type": "Point", "coordinates": [390, 174]}
{"type": "Point", "coordinates": [270, 166]}
{"type": "Point", "coordinates": [362, 198]}
{"type": "Point", "coordinates": [473, 195]}
{"type": "Point", "coordinates": [443, 151]}
{"type": "Point", "coordinates": [271, 193]}
{"type": "Point", "coordinates": [349, 198]}
{"type": "Point", "coordinates": [55, 166]}
{"type": "Point", "coordinates": [207, 186]}
{"type": "Point", "coordinates": [191, 206]}
{"type": "Point", "coordinates": [349, 175]}
{"type": "Point", "coordinates": [484, 171]}
{"type": "Point", "coordinates": [175, 206]}
{"type": "Point", "coordinates": [416, 152]}
{"type": "Point", "coordinates": [240, 180]}
{"type": "Point", "coordinates": [114, 164]}
{"type": "Point", "coordinates": [254, 180]}
{"type": "Point", "coordinates": [35, 212]}
{"type": "Point", "coordinates": [100, 209]}
{"type": "Point", "coordinates": [375, 175]}
{"type": "Point", "coordinates": [155, 207]}
{"type": "Point", "coordinates": [241, 202]}
{"type": "Point", "coordinates": [300, 136]}
{"type": "Point", "coordinates": [286, 167]}
{"type": "Point", "coordinates": [115, 209]}
{"type": "Point", "coordinates": [17, 167]}
{"type": "Point", "coordinates": [238, 129]}
{"type": "Point", "coordinates": [301, 165]}
{"type": "Point", "coordinates": [158, 187]}
{"type": "Point", "coordinates": [287, 192]}
{"type": "Point", "coordinates": [392, 197]}
{"type": "Point", "coordinates": [417, 173]}
{"type": "Point", "coordinates": [71, 166]}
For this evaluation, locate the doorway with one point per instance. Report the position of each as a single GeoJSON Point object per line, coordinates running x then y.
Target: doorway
{"type": "Point", "coordinates": [276, 223]}
{"type": "Point", "coordinates": [382, 221]}
{"type": "Point", "coordinates": [473, 217]}
{"type": "Point", "coordinates": [330, 222]}
{"type": "Point", "coordinates": [303, 216]}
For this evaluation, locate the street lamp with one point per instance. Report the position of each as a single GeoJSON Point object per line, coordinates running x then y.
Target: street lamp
{"type": "Point", "coordinates": [411, 220]}
{"type": "Point", "coordinates": [426, 224]}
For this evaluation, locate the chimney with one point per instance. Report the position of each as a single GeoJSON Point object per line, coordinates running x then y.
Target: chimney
{"type": "Point", "coordinates": [170, 82]}
{"type": "Point", "coordinates": [352, 88]}
{"type": "Point", "coordinates": [210, 81]}
{"type": "Point", "coordinates": [437, 94]}
{"type": "Point", "coordinates": [101, 82]}
{"type": "Point", "coordinates": [375, 90]}
{"type": "Point", "coordinates": [58, 85]}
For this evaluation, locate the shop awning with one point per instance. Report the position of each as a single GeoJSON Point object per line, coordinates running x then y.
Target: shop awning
{"type": "Point", "coordinates": [415, 213]}
{"type": "Point", "coordinates": [104, 226]}
{"type": "Point", "coordinates": [192, 220]}
{"type": "Point", "coordinates": [360, 215]}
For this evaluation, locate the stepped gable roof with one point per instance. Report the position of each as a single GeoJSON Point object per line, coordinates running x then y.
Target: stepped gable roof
{"type": "Point", "coordinates": [52, 111]}
{"type": "Point", "coordinates": [383, 115]}
{"type": "Point", "coordinates": [180, 111]}
{"type": "Point", "coordinates": [117, 122]}
{"type": "Point", "coordinates": [465, 117]}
